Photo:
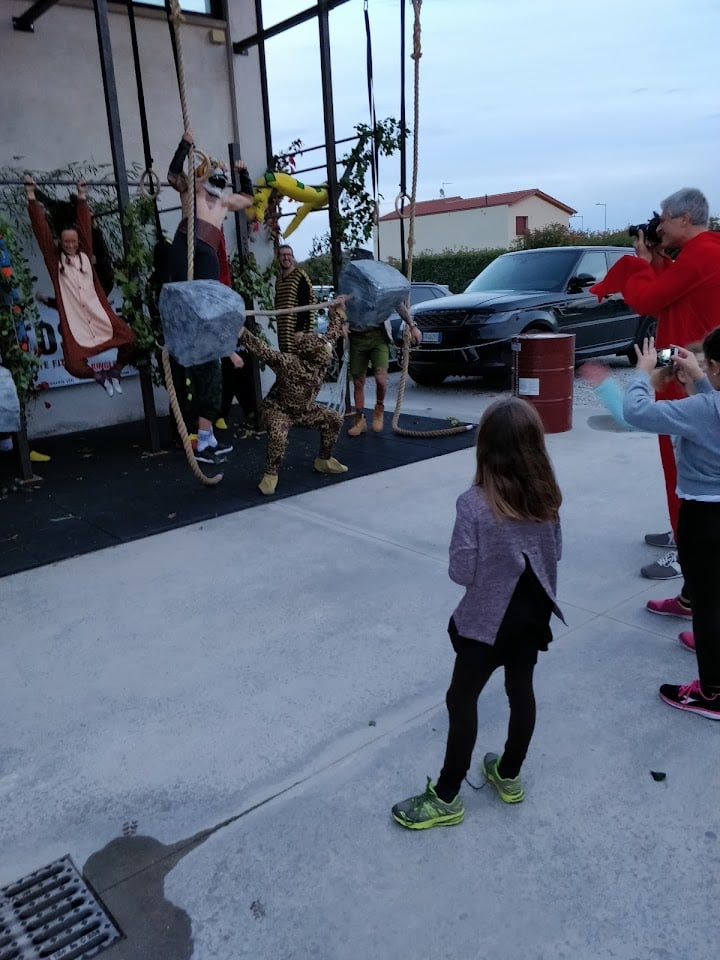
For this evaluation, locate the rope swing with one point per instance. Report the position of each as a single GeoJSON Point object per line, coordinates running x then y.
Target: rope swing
{"type": "Point", "coordinates": [403, 309]}
{"type": "Point", "coordinates": [175, 19]}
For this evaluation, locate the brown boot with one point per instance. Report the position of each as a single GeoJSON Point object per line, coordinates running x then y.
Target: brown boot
{"type": "Point", "coordinates": [359, 426]}
{"type": "Point", "coordinates": [378, 420]}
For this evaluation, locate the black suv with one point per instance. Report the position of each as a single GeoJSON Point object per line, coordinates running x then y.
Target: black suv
{"type": "Point", "coordinates": [532, 290]}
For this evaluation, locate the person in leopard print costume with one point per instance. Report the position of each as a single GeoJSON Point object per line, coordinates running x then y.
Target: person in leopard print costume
{"type": "Point", "coordinates": [291, 401]}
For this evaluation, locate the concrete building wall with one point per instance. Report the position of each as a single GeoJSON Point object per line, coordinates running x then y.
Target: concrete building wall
{"type": "Point", "coordinates": [539, 212]}
{"type": "Point", "coordinates": [55, 114]}
{"type": "Point", "coordinates": [479, 229]}
{"type": "Point", "coordinates": [435, 233]}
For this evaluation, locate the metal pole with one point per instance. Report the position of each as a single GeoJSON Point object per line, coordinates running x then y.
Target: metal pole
{"type": "Point", "coordinates": [26, 21]}
{"type": "Point", "coordinates": [264, 96]}
{"type": "Point", "coordinates": [243, 248]}
{"type": "Point", "coordinates": [332, 183]}
{"type": "Point", "coordinates": [113, 112]}
{"type": "Point", "coordinates": [123, 194]}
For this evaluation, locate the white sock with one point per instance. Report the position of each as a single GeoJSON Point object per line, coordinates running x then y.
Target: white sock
{"type": "Point", "coordinates": [205, 439]}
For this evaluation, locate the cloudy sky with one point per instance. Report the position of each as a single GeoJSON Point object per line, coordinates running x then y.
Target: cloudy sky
{"type": "Point", "coordinates": [614, 103]}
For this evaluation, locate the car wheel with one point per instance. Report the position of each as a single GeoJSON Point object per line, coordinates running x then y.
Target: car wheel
{"type": "Point", "coordinates": [426, 378]}
{"type": "Point", "coordinates": [647, 328]}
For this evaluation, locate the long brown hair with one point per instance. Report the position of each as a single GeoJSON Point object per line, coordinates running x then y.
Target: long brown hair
{"type": "Point", "coordinates": [513, 465]}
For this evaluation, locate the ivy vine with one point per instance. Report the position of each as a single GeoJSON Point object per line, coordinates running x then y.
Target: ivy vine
{"type": "Point", "coordinates": [355, 217]}
{"type": "Point", "coordinates": [18, 315]}
{"type": "Point", "coordinates": [133, 277]}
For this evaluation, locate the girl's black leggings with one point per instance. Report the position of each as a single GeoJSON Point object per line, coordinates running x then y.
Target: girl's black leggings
{"type": "Point", "coordinates": [698, 538]}
{"type": "Point", "coordinates": [525, 629]}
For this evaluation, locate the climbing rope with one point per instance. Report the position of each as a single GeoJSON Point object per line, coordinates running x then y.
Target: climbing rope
{"type": "Point", "coordinates": [403, 309]}
{"type": "Point", "coordinates": [176, 19]}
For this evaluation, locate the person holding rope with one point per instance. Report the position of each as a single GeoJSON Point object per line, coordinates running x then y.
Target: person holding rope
{"type": "Point", "coordinates": [88, 325]}
{"type": "Point", "coordinates": [214, 199]}
{"type": "Point", "coordinates": [291, 400]}
{"type": "Point", "coordinates": [371, 348]}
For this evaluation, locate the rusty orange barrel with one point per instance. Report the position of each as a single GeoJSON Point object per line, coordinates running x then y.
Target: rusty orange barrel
{"type": "Point", "coordinates": [544, 374]}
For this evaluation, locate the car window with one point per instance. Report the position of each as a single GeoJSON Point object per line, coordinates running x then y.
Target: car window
{"type": "Point", "coordinates": [535, 270]}
{"type": "Point", "coordinates": [614, 255]}
{"type": "Point", "coordinates": [593, 263]}
{"type": "Point", "coordinates": [420, 294]}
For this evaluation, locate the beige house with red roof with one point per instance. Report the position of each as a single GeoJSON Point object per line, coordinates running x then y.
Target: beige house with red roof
{"type": "Point", "coordinates": [478, 223]}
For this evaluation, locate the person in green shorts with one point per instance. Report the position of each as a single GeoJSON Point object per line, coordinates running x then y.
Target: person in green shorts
{"type": "Point", "coordinates": [371, 348]}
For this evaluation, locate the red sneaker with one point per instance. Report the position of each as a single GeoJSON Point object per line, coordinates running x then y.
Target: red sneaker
{"type": "Point", "coordinates": [672, 607]}
{"type": "Point", "coordinates": [687, 639]}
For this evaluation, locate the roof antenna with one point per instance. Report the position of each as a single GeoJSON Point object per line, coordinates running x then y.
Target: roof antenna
{"type": "Point", "coordinates": [445, 183]}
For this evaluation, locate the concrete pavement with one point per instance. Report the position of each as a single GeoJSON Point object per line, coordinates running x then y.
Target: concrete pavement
{"type": "Point", "coordinates": [214, 723]}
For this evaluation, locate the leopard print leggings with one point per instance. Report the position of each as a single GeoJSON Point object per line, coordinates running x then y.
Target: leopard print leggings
{"type": "Point", "coordinates": [278, 423]}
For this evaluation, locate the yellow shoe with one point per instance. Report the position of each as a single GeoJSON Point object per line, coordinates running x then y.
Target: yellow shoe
{"type": "Point", "coordinates": [359, 426]}
{"type": "Point", "coordinates": [331, 465]}
{"type": "Point", "coordinates": [36, 457]}
{"type": "Point", "coordinates": [221, 424]}
{"type": "Point", "coordinates": [268, 484]}
{"type": "Point", "coordinates": [378, 420]}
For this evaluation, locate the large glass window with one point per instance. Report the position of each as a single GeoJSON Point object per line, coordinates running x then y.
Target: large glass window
{"type": "Point", "coordinates": [211, 8]}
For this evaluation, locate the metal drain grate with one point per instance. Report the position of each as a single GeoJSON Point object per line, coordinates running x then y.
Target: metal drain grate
{"type": "Point", "coordinates": [52, 914]}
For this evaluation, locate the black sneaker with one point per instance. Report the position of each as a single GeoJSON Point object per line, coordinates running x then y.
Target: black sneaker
{"type": "Point", "coordinates": [690, 697]}
{"type": "Point", "coordinates": [222, 448]}
{"type": "Point", "coordinates": [210, 455]}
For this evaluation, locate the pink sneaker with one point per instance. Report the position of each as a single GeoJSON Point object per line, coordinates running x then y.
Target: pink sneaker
{"type": "Point", "coordinates": [672, 607]}
{"type": "Point", "coordinates": [687, 639]}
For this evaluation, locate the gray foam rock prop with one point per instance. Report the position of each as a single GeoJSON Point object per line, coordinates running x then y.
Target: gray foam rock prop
{"type": "Point", "coordinates": [9, 403]}
{"type": "Point", "coordinates": [201, 320]}
{"type": "Point", "coordinates": [376, 289]}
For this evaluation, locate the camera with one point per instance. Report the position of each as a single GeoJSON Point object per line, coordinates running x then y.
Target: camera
{"type": "Point", "coordinates": [666, 357]}
{"type": "Point", "coordinates": [649, 230]}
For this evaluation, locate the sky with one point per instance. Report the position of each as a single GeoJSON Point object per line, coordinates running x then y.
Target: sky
{"type": "Point", "coordinates": [614, 103]}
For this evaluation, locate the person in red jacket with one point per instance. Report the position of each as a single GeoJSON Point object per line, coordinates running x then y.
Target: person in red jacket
{"type": "Point", "coordinates": [684, 296]}
{"type": "Point", "coordinates": [88, 324]}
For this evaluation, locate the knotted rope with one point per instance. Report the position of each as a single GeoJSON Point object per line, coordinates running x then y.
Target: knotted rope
{"type": "Point", "coordinates": [176, 20]}
{"type": "Point", "coordinates": [403, 309]}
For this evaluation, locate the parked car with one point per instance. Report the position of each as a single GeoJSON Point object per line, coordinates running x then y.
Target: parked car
{"type": "Point", "coordinates": [322, 293]}
{"type": "Point", "coordinates": [469, 334]}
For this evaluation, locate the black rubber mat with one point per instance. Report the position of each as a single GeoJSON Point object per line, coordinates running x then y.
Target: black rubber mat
{"type": "Point", "coordinates": [101, 487]}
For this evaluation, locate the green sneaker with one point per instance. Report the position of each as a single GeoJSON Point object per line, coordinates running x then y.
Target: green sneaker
{"type": "Point", "coordinates": [428, 810]}
{"type": "Point", "coordinates": [510, 790]}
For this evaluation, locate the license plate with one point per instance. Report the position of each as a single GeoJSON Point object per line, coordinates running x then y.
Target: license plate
{"type": "Point", "coordinates": [432, 337]}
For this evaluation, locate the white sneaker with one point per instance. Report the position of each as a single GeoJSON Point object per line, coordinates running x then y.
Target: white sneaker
{"type": "Point", "coordinates": [107, 386]}
{"type": "Point", "coordinates": [666, 568]}
{"type": "Point", "coordinates": [116, 384]}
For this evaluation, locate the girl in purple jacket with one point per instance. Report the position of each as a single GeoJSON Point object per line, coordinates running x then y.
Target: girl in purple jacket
{"type": "Point", "coordinates": [504, 550]}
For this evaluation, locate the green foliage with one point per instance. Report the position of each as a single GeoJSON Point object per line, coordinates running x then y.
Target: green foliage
{"type": "Point", "coordinates": [456, 269]}
{"type": "Point", "coordinates": [355, 217]}
{"type": "Point", "coordinates": [558, 235]}
{"type": "Point", "coordinates": [132, 277]}
{"type": "Point", "coordinates": [17, 306]}
{"type": "Point", "coordinates": [254, 284]}
{"type": "Point", "coordinates": [318, 266]}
